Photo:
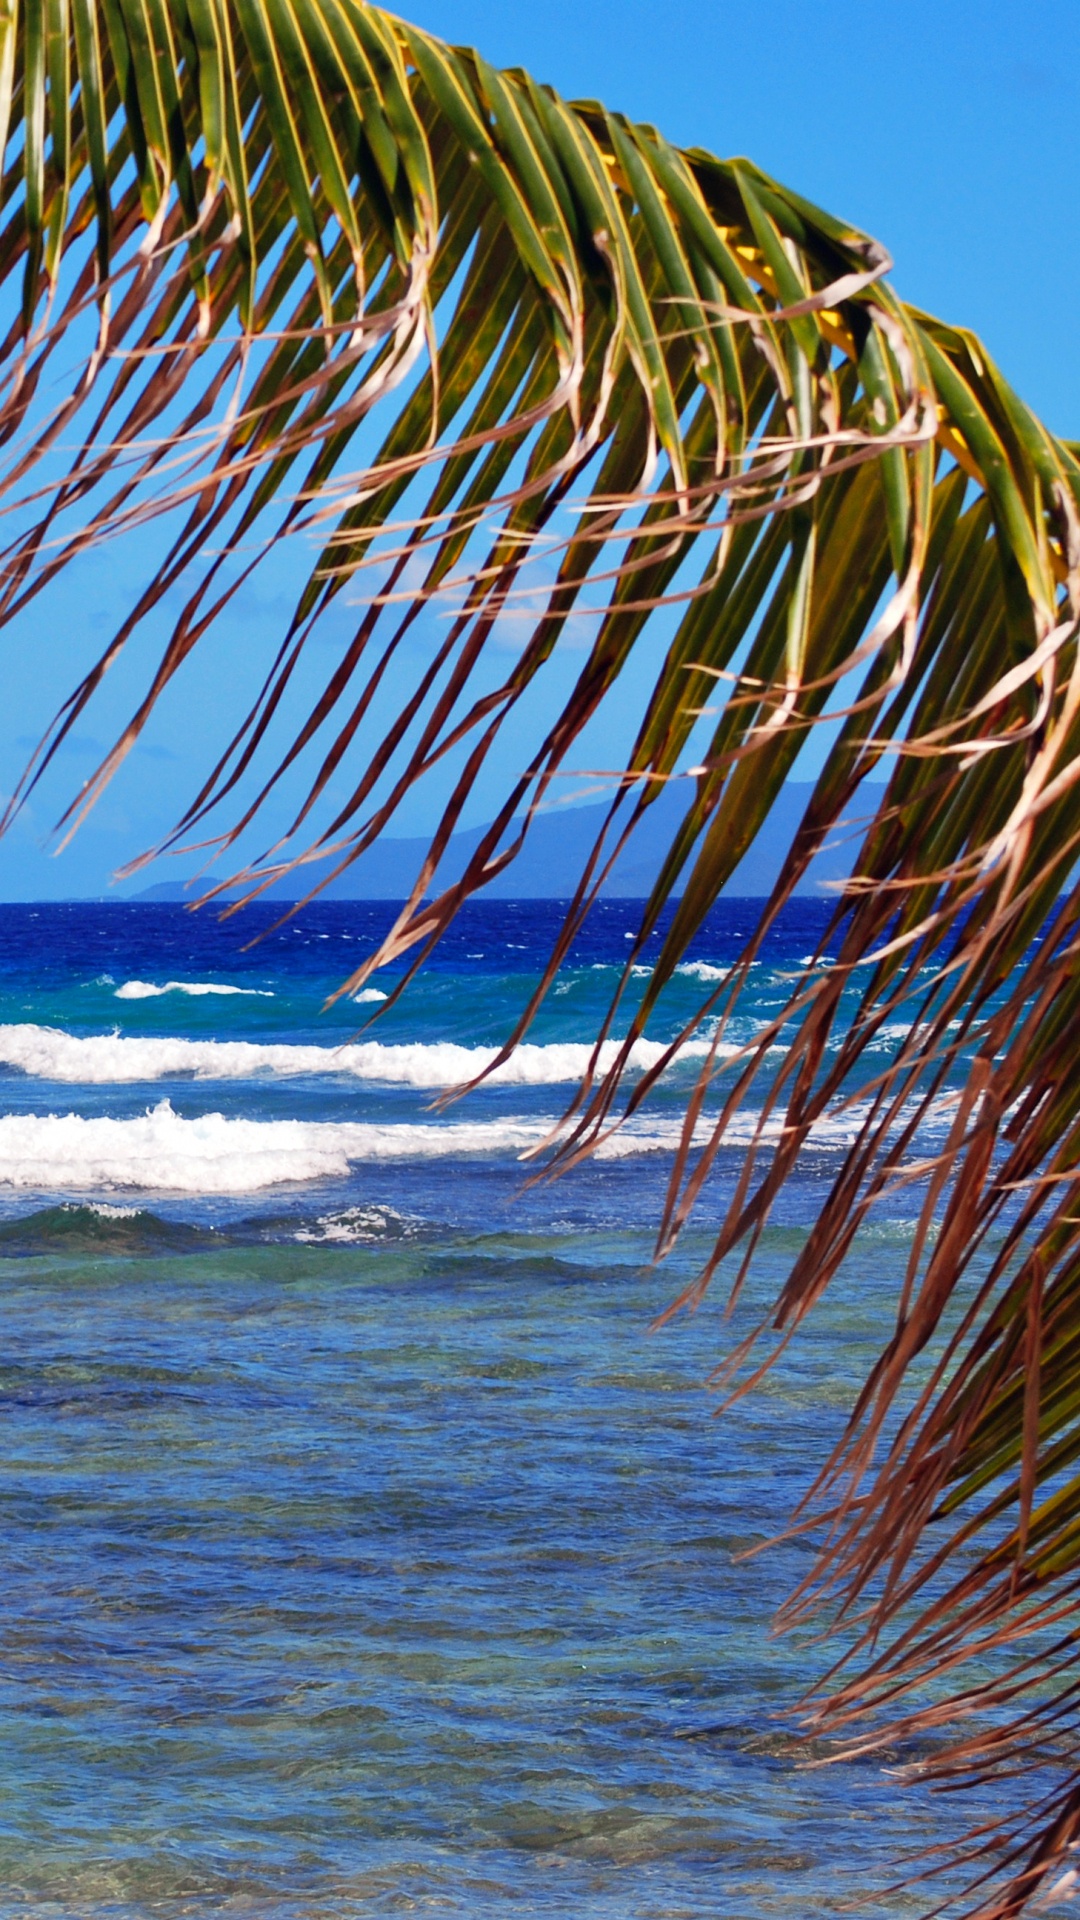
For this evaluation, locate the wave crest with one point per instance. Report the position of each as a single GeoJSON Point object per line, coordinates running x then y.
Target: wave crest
{"type": "Point", "coordinates": [109, 1059]}
{"type": "Point", "coordinates": [146, 990]}
{"type": "Point", "coordinates": [160, 1151]}
{"type": "Point", "coordinates": [94, 1229]}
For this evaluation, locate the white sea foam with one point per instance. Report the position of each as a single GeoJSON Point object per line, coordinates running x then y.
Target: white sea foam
{"type": "Point", "coordinates": [367, 995]}
{"type": "Point", "coordinates": [162, 1152]}
{"type": "Point", "coordinates": [103, 1059]}
{"type": "Point", "coordinates": [701, 970]}
{"type": "Point", "coordinates": [146, 990]}
{"type": "Point", "coordinates": [159, 1151]}
{"type": "Point", "coordinates": [356, 1226]}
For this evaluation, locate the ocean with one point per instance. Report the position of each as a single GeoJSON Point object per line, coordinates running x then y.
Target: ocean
{"type": "Point", "coordinates": [365, 1549]}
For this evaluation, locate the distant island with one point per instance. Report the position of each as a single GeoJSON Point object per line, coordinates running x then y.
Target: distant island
{"type": "Point", "coordinates": [551, 861]}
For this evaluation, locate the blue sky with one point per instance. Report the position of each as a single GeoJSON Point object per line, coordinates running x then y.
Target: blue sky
{"type": "Point", "coordinates": [951, 132]}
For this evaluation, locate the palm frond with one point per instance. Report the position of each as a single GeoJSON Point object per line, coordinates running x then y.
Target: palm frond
{"type": "Point", "coordinates": [505, 356]}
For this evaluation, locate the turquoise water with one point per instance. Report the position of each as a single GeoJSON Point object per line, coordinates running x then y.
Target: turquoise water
{"type": "Point", "coordinates": [364, 1550]}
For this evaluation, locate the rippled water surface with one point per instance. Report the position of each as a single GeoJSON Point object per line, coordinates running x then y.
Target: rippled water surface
{"type": "Point", "coordinates": [364, 1552]}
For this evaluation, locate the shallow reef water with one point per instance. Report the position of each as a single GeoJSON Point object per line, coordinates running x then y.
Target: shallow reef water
{"type": "Point", "coordinates": [365, 1549]}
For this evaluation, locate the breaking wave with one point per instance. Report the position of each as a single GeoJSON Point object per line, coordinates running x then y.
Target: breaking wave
{"type": "Point", "coordinates": [97, 1228]}
{"type": "Point", "coordinates": [356, 1226]}
{"type": "Point", "coordinates": [162, 1152]}
{"type": "Point", "coordinates": [109, 1059]}
{"type": "Point", "coordinates": [146, 990]}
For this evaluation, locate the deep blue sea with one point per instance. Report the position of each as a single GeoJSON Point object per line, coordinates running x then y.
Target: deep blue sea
{"type": "Point", "coordinates": [364, 1552]}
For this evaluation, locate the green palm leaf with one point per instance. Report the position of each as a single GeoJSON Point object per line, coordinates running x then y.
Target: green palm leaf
{"type": "Point", "coordinates": [509, 357]}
